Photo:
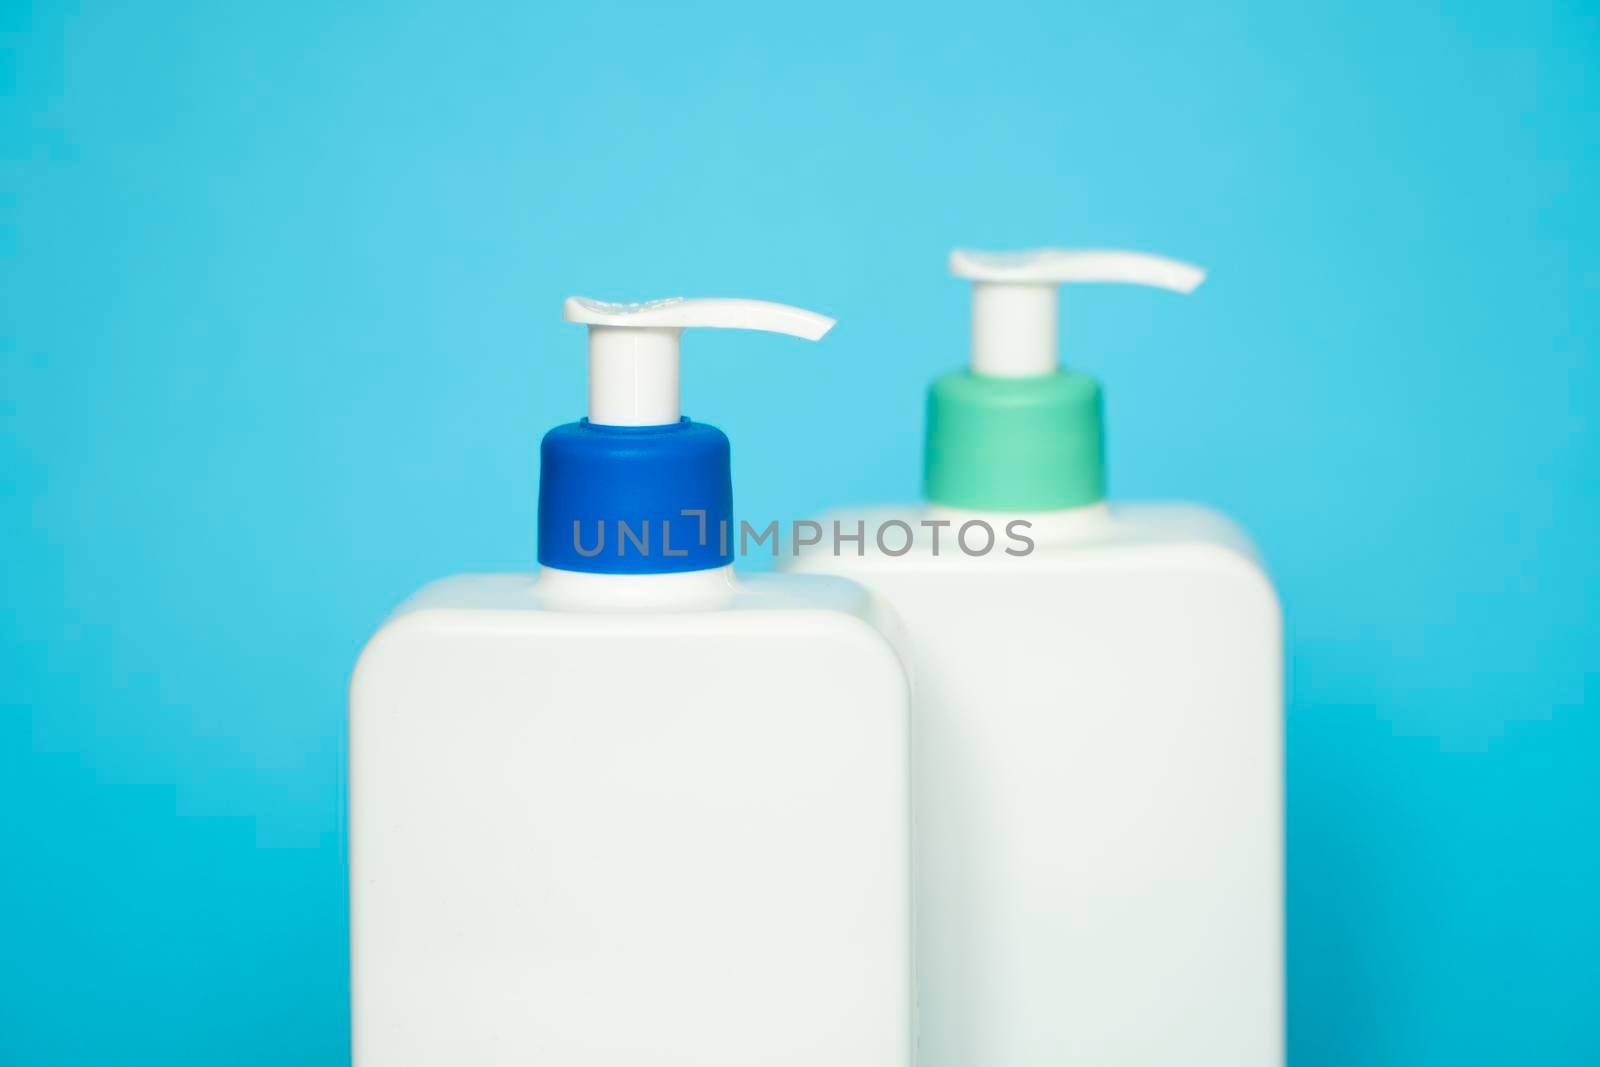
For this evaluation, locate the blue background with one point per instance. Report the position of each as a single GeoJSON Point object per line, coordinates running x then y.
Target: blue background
{"type": "Point", "coordinates": [281, 290]}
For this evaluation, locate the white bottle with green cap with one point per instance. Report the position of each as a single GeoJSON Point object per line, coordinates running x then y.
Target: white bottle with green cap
{"type": "Point", "coordinates": [1097, 718]}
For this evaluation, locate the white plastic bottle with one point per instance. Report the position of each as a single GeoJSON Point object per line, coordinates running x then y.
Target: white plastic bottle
{"type": "Point", "coordinates": [631, 811]}
{"type": "Point", "coordinates": [1097, 753]}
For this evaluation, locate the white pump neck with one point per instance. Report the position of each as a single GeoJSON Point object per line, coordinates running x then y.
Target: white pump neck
{"type": "Point", "coordinates": [1016, 313]}
{"type": "Point", "coordinates": [634, 349]}
{"type": "Point", "coordinates": [633, 375]}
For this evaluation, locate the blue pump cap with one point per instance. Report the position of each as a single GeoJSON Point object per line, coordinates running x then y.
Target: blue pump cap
{"type": "Point", "coordinates": [636, 488]}
{"type": "Point", "coordinates": [635, 499]}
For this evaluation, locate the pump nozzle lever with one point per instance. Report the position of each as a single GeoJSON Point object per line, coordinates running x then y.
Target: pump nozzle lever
{"type": "Point", "coordinates": [633, 348]}
{"type": "Point", "coordinates": [1016, 308]}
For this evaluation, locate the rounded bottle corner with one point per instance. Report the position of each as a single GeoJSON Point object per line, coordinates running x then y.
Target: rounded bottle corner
{"type": "Point", "coordinates": [376, 651]}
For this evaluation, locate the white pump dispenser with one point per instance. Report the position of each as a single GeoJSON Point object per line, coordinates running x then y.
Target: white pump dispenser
{"type": "Point", "coordinates": [633, 811]}
{"type": "Point", "coordinates": [1016, 305]}
{"type": "Point", "coordinates": [633, 348]}
{"type": "Point", "coordinates": [1097, 745]}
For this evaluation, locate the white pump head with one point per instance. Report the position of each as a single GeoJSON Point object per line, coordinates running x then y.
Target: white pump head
{"type": "Point", "coordinates": [1016, 307]}
{"type": "Point", "coordinates": [633, 348]}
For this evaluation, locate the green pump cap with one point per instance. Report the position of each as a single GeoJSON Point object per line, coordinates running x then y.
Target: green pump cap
{"type": "Point", "coordinates": [1015, 432]}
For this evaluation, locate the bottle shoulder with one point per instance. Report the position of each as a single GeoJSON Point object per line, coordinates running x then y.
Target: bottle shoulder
{"type": "Point", "coordinates": [823, 610]}
{"type": "Point", "coordinates": [524, 594]}
{"type": "Point", "coordinates": [1117, 535]}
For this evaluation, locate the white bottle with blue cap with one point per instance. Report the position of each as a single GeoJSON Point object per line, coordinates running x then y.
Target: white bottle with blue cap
{"type": "Point", "coordinates": [1098, 766]}
{"type": "Point", "coordinates": [631, 811]}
